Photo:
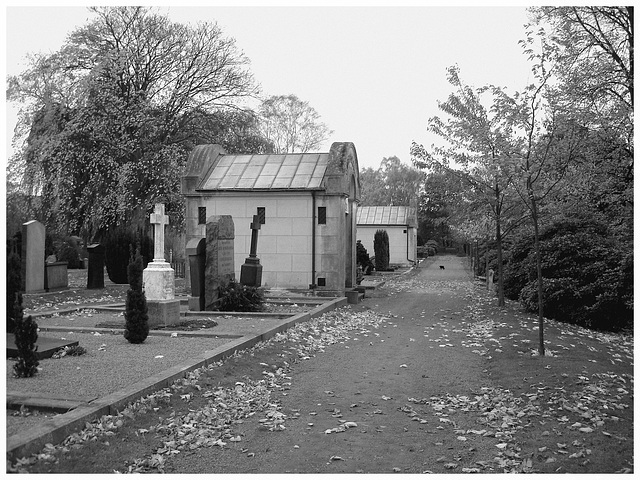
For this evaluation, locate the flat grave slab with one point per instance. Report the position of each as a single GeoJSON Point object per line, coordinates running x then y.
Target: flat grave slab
{"type": "Point", "coordinates": [38, 401]}
{"type": "Point", "coordinates": [47, 346]}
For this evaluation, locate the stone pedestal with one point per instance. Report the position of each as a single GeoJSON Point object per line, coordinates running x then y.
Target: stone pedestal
{"type": "Point", "coordinates": [163, 312]}
{"type": "Point", "coordinates": [159, 290]}
{"type": "Point", "coordinates": [251, 272]}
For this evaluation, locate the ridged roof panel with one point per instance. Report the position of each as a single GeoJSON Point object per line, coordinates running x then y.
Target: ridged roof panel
{"type": "Point", "coordinates": [391, 215]}
{"type": "Point", "coordinates": [300, 171]}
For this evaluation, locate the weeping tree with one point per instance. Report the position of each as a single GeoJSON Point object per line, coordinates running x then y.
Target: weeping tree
{"type": "Point", "coordinates": [110, 117]}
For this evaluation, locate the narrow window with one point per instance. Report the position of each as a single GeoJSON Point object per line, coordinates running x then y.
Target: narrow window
{"type": "Point", "coordinates": [322, 215]}
{"type": "Point", "coordinates": [322, 282]}
{"type": "Point", "coordinates": [262, 214]}
{"type": "Point", "coordinates": [202, 215]}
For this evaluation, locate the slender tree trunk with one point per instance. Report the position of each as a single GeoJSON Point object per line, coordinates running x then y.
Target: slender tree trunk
{"type": "Point", "coordinates": [499, 248]}
{"type": "Point", "coordinates": [500, 267]}
{"type": "Point", "coordinates": [536, 230]}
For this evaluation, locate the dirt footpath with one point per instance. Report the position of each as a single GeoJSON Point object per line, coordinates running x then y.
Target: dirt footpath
{"type": "Point", "coordinates": [377, 383]}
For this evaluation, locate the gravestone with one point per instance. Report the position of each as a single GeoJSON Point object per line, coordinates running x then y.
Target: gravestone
{"type": "Point", "coordinates": [95, 267]}
{"type": "Point", "coordinates": [219, 265]}
{"type": "Point", "coordinates": [33, 234]}
{"type": "Point", "coordinates": [251, 270]}
{"type": "Point", "coordinates": [197, 254]}
{"type": "Point", "coordinates": [158, 278]}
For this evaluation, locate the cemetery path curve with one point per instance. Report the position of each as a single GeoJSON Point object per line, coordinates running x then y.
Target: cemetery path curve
{"type": "Point", "coordinates": [375, 380]}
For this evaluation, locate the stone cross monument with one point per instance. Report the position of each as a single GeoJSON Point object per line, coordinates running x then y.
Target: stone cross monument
{"type": "Point", "coordinates": [159, 278]}
{"type": "Point", "coordinates": [251, 270]}
{"type": "Point", "coordinates": [158, 219]}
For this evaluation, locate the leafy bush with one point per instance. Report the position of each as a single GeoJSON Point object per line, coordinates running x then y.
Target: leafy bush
{"type": "Point", "coordinates": [587, 276]}
{"type": "Point", "coordinates": [381, 248]}
{"type": "Point", "coordinates": [69, 251]}
{"type": "Point", "coordinates": [432, 244]}
{"type": "Point", "coordinates": [136, 316]}
{"type": "Point", "coordinates": [431, 252]}
{"type": "Point", "coordinates": [26, 334]}
{"type": "Point", "coordinates": [117, 247]}
{"type": "Point", "coordinates": [236, 297]}
{"type": "Point", "coordinates": [362, 258]}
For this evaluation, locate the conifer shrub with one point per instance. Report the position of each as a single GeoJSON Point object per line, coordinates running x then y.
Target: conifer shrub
{"type": "Point", "coordinates": [14, 285]}
{"type": "Point", "coordinates": [117, 246]}
{"type": "Point", "coordinates": [381, 248]}
{"type": "Point", "coordinates": [26, 335]}
{"type": "Point", "coordinates": [136, 311]}
{"type": "Point", "coordinates": [236, 297]}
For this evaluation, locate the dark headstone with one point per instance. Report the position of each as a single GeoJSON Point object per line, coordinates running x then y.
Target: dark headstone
{"type": "Point", "coordinates": [197, 253]}
{"type": "Point", "coordinates": [95, 270]}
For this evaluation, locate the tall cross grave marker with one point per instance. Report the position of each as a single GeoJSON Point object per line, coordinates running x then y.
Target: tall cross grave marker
{"type": "Point", "coordinates": [159, 278]}
{"type": "Point", "coordinates": [251, 270]}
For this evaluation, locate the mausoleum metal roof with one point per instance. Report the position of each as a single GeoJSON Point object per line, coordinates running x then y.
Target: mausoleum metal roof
{"type": "Point", "coordinates": [299, 171]}
{"type": "Point", "coordinates": [392, 215]}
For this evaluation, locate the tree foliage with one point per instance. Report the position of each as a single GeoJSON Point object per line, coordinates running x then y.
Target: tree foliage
{"type": "Point", "coordinates": [393, 183]}
{"type": "Point", "coordinates": [291, 124]}
{"type": "Point", "coordinates": [587, 275]}
{"type": "Point", "coordinates": [112, 115]}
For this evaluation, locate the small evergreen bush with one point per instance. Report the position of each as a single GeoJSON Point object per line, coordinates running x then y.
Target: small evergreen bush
{"type": "Point", "coordinates": [136, 310]}
{"type": "Point", "coordinates": [26, 334]}
{"type": "Point", "coordinates": [236, 297]}
{"type": "Point", "coordinates": [14, 285]}
{"type": "Point", "coordinates": [381, 248]}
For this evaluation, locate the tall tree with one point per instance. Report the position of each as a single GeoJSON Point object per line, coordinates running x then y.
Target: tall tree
{"type": "Point", "coordinates": [291, 125]}
{"type": "Point", "coordinates": [113, 114]}
{"type": "Point", "coordinates": [393, 183]}
{"type": "Point", "coordinates": [478, 149]}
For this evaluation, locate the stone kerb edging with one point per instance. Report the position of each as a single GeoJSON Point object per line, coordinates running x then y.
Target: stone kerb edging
{"type": "Point", "coordinates": [56, 429]}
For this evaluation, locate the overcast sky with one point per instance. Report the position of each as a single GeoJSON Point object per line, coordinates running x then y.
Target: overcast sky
{"type": "Point", "coordinates": [373, 73]}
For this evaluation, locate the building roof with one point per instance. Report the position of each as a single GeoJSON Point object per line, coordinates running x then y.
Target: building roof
{"type": "Point", "coordinates": [298, 171]}
{"type": "Point", "coordinates": [393, 215]}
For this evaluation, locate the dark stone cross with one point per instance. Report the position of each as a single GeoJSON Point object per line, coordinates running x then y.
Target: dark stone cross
{"type": "Point", "coordinates": [251, 270]}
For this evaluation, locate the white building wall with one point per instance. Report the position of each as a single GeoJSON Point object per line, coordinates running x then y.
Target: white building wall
{"type": "Point", "coordinates": [284, 240]}
{"type": "Point", "coordinates": [400, 253]}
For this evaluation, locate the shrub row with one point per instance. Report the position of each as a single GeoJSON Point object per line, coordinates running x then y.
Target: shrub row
{"type": "Point", "coordinates": [587, 275]}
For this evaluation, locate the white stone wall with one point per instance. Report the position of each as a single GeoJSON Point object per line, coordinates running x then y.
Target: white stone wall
{"type": "Point", "coordinates": [399, 254]}
{"type": "Point", "coordinates": [285, 240]}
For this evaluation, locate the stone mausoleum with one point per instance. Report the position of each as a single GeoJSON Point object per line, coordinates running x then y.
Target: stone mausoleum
{"type": "Point", "coordinates": [400, 223]}
{"type": "Point", "coordinates": [307, 206]}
